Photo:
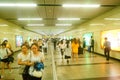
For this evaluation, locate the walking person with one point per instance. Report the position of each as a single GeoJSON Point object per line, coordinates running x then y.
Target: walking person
{"type": "Point", "coordinates": [84, 45]}
{"type": "Point", "coordinates": [68, 50]}
{"type": "Point", "coordinates": [75, 46]}
{"type": "Point", "coordinates": [24, 61]}
{"type": "Point", "coordinates": [10, 52]}
{"type": "Point", "coordinates": [107, 48]}
{"type": "Point", "coordinates": [62, 46]}
{"type": "Point", "coordinates": [4, 53]}
{"type": "Point", "coordinates": [36, 56]}
{"type": "Point", "coordinates": [92, 45]}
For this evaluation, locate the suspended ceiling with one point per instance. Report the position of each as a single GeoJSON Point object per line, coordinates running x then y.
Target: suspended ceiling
{"type": "Point", "coordinates": [50, 10]}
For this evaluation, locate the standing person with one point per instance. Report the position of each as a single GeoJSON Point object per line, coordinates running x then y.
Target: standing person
{"type": "Point", "coordinates": [23, 61]}
{"type": "Point", "coordinates": [92, 44]}
{"type": "Point", "coordinates": [107, 48]}
{"type": "Point", "coordinates": [75, 46]}
{"type": "Point", "coordinates": [4, 53]}
{"type": "Point", "coordinates": [36, 56]}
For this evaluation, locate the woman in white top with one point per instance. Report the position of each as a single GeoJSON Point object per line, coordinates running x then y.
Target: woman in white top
{"type": "Point", "coordinates": [4, 53]}
{"type": "Point", "coordinates": [36, 56]}
{"type": "Point", "coordinates": [24, 60]}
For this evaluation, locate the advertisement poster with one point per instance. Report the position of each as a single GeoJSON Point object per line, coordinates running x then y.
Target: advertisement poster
{"type": "Point", "coordinates": [19, 40]}
{"type": "Point", "coordinates": [114, 38]}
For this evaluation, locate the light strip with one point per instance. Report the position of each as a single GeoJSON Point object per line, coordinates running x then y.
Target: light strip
{"type": "Point", "coordinates": [17, 5]}
{"type": "Point", "coordinates": [3, 25]}
{"type": "Point", "coordinates": [112, 19]}
{"type": "Point", "coordinates": [99, 24]}
{"type": "Point", "coordinates": [81, 5]}
{"type": "Point", "coordinates": [63, 24]}
{"type": "Point", "coordinates": [68, 19]}
{"type": "Point", "coordinates": [29, 18]}
{"type": "Point", "coordinates": [35, 24]}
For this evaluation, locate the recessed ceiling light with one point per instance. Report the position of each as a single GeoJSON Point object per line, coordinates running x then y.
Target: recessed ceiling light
{"type": "Point", "coordinates": [63, 24]}
{"type": "Point", "coordinates": [17, 5]}
{"type": "Point", "coordinates": [81, 5]}
{"type": "Point", "coordinates": [35, 24]}
{"type": "Point", "coordinates": [29, 18]}
{"type": "Point", "coordinates": [68, 19]}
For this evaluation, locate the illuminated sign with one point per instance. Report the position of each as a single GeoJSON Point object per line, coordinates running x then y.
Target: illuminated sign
{"type": "Point", "coordinates": [114, 38]}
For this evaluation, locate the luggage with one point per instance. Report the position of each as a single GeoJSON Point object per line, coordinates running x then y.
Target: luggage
{"type": "Point", "coordinates": [80, 50]}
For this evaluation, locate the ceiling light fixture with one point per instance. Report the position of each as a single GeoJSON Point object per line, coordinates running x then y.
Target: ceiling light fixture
{"type": "Point", "coordinates": [35, 24]}
{"type": "Point", "coordinates": [63, 24]}
{"type": "Point", "coordinates": [112, 19]}
{"type": "Point", "coordinates": [97, 24]}
{"type": "Point", "coordinates": [68, 19]}
{"type": "Point", "coordinates": [29, 18]}
{"type": "Point", "coordinates": [3, 25]}
{"type": "Point", "coordinates": [81, 5]}
{"type": "Point", "coordinates": [17, 5]}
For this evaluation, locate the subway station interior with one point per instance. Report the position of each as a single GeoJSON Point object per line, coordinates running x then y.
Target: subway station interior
{"type": "Point", "coordinates": [54, 21]}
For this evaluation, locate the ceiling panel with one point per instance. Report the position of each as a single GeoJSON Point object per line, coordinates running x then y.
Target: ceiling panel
{"type": "Point", "coordinates": [50, 10]}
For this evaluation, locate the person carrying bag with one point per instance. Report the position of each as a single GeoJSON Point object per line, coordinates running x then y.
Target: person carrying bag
{"type": "Point", "coordinates": [37, 59]}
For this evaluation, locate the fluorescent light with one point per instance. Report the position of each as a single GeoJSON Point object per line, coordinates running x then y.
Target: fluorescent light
{"type": "Point", "coordinates": [17, 5]}
{"type": "Point", "coordinates": [63, 24]}
{"type": "Point", "coordinates": [35, 24]}
{"type": "Point", "coordinates": [3, 25]}
{"type": "Point", "coordinates": [29, 18]}
{"type": "Point", "coordinates": [68, 19]}
{"type": "Point", "coordinates": [99, 24]}
{"type": "Point", "coordinates": [81, 5]}
{"type": "Point", "coordinates": [112, 19]}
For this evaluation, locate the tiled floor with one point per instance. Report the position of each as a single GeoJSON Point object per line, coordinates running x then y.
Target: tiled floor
{"type": "Point", "coordinates": [93, 67]}
{"type": "Point", "coordinates": [88, 67]}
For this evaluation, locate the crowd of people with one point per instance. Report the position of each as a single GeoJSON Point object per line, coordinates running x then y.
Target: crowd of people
{"type": "Point", "coordinates": [33, 51]}
{"type": "Point", "coordinates": [72, 48]}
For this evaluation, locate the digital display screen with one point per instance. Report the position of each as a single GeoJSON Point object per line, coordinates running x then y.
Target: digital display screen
{"type": "Point", "coordinates": [114, 38]}
{"type": "Point", "coordinates": [19, 40]}
{"type": "Point", "coordinates": [87, 37]}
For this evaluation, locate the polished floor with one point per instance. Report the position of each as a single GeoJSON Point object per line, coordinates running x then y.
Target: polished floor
{"type": "Point", "coordinates": [88, 67]}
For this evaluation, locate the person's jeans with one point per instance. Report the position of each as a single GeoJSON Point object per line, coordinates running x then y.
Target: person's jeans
{"type": "Point", "coordinates": [107, 53]}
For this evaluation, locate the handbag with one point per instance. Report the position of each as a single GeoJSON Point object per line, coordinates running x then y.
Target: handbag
{"type": "Point", "coordinates": [37, 70]}
{"type": "Point", "coordinates": [37, 74]}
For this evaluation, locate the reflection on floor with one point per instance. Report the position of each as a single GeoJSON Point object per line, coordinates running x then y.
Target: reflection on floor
{"type": "Point", "coordinates": [88, 67]}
